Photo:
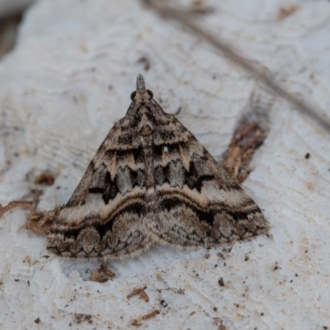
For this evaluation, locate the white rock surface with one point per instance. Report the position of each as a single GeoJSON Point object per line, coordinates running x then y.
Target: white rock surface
{"type": "Point", "coordinates": [69, 79]}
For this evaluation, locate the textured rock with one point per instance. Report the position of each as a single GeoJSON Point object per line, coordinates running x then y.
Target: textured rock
{"type": "Point", "coordinates": [65, 84]}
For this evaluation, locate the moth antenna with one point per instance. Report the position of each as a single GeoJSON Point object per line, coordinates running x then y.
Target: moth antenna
{"type": "Point", "coordinates": [140, 84]}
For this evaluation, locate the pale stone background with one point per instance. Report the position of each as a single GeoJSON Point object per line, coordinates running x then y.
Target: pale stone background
{"type": "Point", "coordinates": [69, 79]}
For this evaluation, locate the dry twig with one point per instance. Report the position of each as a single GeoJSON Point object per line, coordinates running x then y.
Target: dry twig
{"type": "Point", "coordinates": [139, 292]}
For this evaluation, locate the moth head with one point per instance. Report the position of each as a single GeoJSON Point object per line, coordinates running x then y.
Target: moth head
{"type": "Point", "coordinates": [141, 94]}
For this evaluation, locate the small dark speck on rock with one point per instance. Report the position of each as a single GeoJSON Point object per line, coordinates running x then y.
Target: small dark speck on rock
{"type": "Point", "coordinates": [37, 320]}
{"type": "Point", "coordinates": [83, 318]}
{"type": "Point", "coordinates": [220, 255]}
{"type": "Point", "coordinates": [145, 62]}
{"type": "Point", "coordinates": [307, 155]}
{"type": "Point", "coordinates": [163, 303]}
{"type": "Point", "coordinates": [221, 282]}
{"type": "Point", "coordinates": [47, 179]}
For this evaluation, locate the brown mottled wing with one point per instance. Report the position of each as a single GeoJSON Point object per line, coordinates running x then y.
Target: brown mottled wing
{"type": "Point", "coordinates": [105, 215]}
{"type": "Point", "coordinates": [198, 204]}
{"type": "Point", "coordinates": [150, 181]}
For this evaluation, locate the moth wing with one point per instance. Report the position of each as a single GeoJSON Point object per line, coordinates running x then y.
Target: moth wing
{"type": "Point", "coordinates": [104, 215]}
{"type": "Point", "coordinates": [198, 203]}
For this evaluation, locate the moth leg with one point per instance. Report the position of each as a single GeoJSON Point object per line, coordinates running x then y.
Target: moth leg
{"type": "Point", "coordinates": [13, 205]}
{"type": "Point", "coordinates": [37, 222]}
{"type": "Point", "coordinates": [40, 222]}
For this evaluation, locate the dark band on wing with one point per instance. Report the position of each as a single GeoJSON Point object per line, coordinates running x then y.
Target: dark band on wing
{"type": "Point", "coordinates": [208, 216]}
{"type": "Point", "coordinates": [138, 209]}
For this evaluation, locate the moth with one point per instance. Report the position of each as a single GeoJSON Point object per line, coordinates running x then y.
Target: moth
{"type": "Point", "coordinates": [151, 182]}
